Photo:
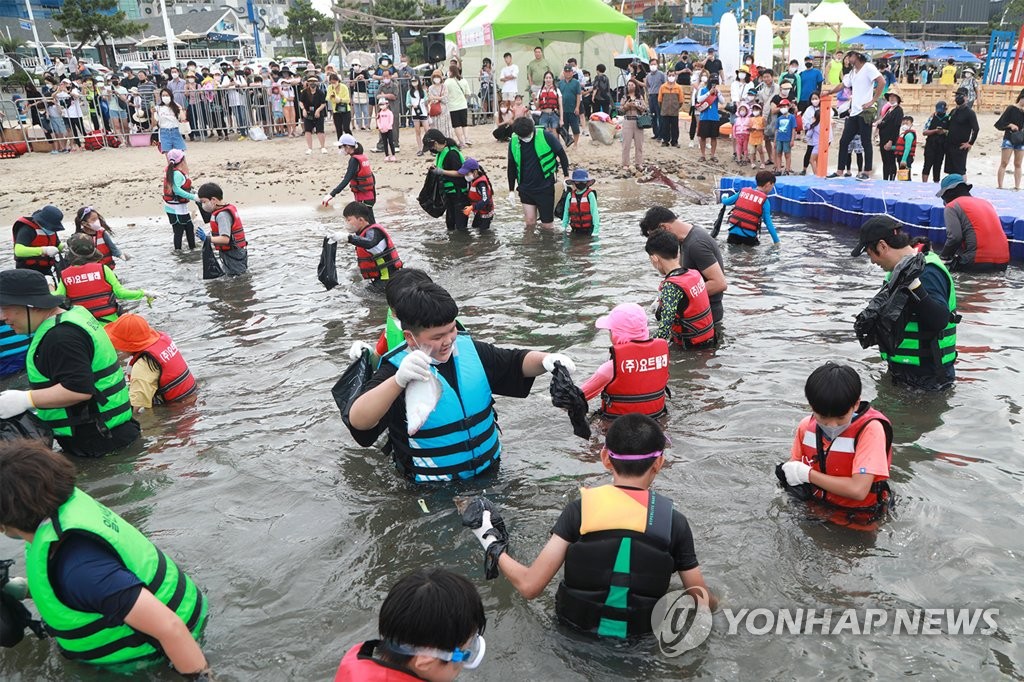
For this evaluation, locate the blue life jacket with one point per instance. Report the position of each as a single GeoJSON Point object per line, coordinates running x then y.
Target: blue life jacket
{"type": "Point", "coordinates": [460, 437]}
{"type": "Point", "coordinates": [13, 349]}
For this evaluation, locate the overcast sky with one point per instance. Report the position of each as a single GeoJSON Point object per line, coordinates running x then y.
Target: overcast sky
{"type": "Point", "coordinates": [324, 6]}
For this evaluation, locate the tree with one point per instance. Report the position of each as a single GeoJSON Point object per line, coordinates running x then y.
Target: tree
{"type": "Point", "coordinates": [1011, 16]}
{"type": "Point", "coordinates": [306, 25]}
{"type": "Point", "coordinates": [10, 46]}
{"type": "Point", "coordinates": [662, 25]}
{"type": "Point", "coordinates": [92, 21]}
{"type": "Point", "coordinates": [901, 14]}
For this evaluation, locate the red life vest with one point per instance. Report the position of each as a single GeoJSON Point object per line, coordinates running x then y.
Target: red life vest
{"type": "Point", "coordinates": [176, 380]}
{"type": "Point", "coordinates": [992, 246]}
{"type": "Point", "coordinates": [101, 245]}
{"type": "Point", "coordinates": [746, 212]}
{"type": "Point", "coordinates": [579, 210]}
{"type": "Point", "coordinates": [639, 377]}
{"type": "Point", "coordinates": [86, 286]}
{"type": "Point", "coordinates": [359, 665]}
{"type": "Point", "coordinates": [41, 263]}
{"type": "Point", "coordinates": [382, 256]}
{"type": "Point", "coordinates": [836, 458]}
{"type": "Point", "coordinates": [476, 196]}
{"type": "Point", "coordinates": [237, 233]}
{"type": "Point", "coordinates": [169, 196]}
{"type": "Point", "coordinates": [548, 99]}
{"type": "Point", "coordinates": [901, 145]}
{"type": "Point", "coordinates": [693, 325]}
{"type": "Point", "coordinates": [364, 184]}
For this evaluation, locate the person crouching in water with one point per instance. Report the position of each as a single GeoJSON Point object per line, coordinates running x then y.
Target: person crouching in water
{"type": "Point", "coordinates": [581, 213]}
{"type": "Point", "coordinates": [376, 254]}
{"type": "Point", "coordinates": [359, 175]}
{"type": "Point", "coordinates": [158, 374]}
{"type": "Point", "coordinates": [89, 221]}
{"type": "Point", "coordinates": [752, 209]}
{"type": "Point", "coordinates": [620, 543]}
{"type": "Point", "coordinates": [634, 379]}
{"type": "Point", "coordinates": [684, 309]}
{"type": "Point", "coordinates": [91, 285]}
{"type": "Point", "coordinates": [842, 452]}
{"type": "Point", "coordinates": [481, 194]}
{"type": "Point", "coordinates": [226, 233]}
{"type": "Point", "coordinates": [177, 195]}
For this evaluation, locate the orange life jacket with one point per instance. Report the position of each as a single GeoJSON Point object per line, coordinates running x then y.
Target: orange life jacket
{"type": "Point", "coordinates": [371, 262]}
{"type": "Point", "coordinates": [693, 325]}
{"type": "Point", "coordinates": [364, 184]}
{"type": "Point", "coordinates": [176, 380]}
{"type": "Point", "coordinates": [901, 145]}
{"type": "Point", "coordinates": [169, 196]}
{"type": "Point", "coordinates": [476, 196]}
{"type": "Point", "coordinates": [639, 377]}
{"type": "Point", "coordinates": [579, 210]}
{"type": "Point", "coordinates": [359, 665]}
{"type": "Point", "coordinates": [992, 246]}
{"type": "Point", "coordinates": [101, 245]}
{"type": "Point", "coordinates": [836, 458]}
{"type": "Point", "coordinates": [237, 233]}
{"type": "Point", "coordinates": [87, 286]}
{"type": "Point", "coordinates": [41, 263]}
{"type": "Point", "coordinates": [548, 99]}
{"type": "Point", "coordinates": [746, 212]}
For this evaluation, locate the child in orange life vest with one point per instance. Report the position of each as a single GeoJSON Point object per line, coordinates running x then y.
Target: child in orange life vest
{"type": "Point", "coordinates": [481, 194]}
{"type": "Point", "coordinates": [751, 209]}
{"type": "Point", "coordinates": [639, 366]}
{"type": "Point", "coordinates": [358, 174]}
{"type": "Point", "coordinates": [157, 373]}
{"type": "Point", "coordinates": [376, 254]}
{"type": "Point", "coordinates": [626, 511]}
{"type": "Point", "coordinates": [227, 236]}
{"type": "Point", "coordinates": [844, 449]}
{"type": "Point", "coordinates": [684, 309]}
{"type": "Point", "coordinates": [88, 221]}
{"type": "Point", "coordinates": [431, 627]}
{"type": "Point", "coordinates": [906, 145]}
{"type": "Point", "coordinates": [581, 213]}
{"type": "Point", "coordinates": [91, 285]}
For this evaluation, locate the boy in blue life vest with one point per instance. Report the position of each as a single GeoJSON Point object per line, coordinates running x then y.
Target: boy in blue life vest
{"type": "Point", "coordinates": [581, 213]}
{"type": "Point", "coordinates": [431, 628]}
{"type": "Point", "coordinates": [633, 531]}
{"type": "Point", "coordinates": [751, 209]}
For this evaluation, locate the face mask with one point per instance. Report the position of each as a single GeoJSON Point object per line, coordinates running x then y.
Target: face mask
{"type": "Point", "coordinates": [750, 62]}
{"type": "Point", "coordinates": [832, 432]}
{"type": "Point", "coordinates": [166, 99]}
{"type": "Point", "coordinates": [437, 80]}
{"type": "Point", "coordinates": [815, 102]}
{"type": "Point", "coordinates": [808, 65]}
{"type": "Point", "coordinates": [743, 77]}
{"type": "Point", "coordinates": [792, 69]}
{"type": "Point", "coordinates": [671, 79]}
{"type": "Point", "coordinates": [175, 75]}
{"type": "Point", "coordinates": [528, 138]}
{"type": "Point", "coordinates": [95, 226]}
{"type": "Point", "coordinates": [750, 98]}
{"type": "Point", "coordinates": [904, 128]}
{"type": "Point", "coordinates": [960, 100]}
{"type": "Point", "coordinates": [757, 112]}
{"type": "Point", "coordinates": [654, 67]}
{"type": "Point", "coordinates": [386, 81]}
{"type": "Point", "coordinates": [703, 79]}
{"type": "Point", "coordinates": [783, 110]}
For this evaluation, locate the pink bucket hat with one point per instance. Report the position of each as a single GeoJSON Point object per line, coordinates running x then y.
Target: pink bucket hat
{"type": "Point", "coordinates": [626, 322]}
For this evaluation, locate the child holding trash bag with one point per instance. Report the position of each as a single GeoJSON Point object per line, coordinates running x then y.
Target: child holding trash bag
{"type": "Point", "coordinates": [227, 236]}
{"type": "Point", "coordinates": [358, 174]}
{"type": "Point", "coordinates": [481, 194]}
{"type": "Point", "coordinates": [376, 254]}
{"type": "Point", "coordinates": [636, 537]}
{"type": "Point", "coordinates": [580, 212]}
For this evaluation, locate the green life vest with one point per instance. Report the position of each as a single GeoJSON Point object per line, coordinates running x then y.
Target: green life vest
{"type": "Point", "coordinates": [548, 162]}
{"type": "Point", "coordinates": [80, 635]}
{"type": "Point", "coordinates": [393, 331]}
{"type": "Point", "coordinates": [911, 349]}
{"type": "Point", "coordinates": [110, 406]}
{"type": "Point", "coordinates": [451, 185]}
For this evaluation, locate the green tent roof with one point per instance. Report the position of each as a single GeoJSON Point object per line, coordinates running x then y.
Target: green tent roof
{"type": "Point", "coordinates": [542, 20]}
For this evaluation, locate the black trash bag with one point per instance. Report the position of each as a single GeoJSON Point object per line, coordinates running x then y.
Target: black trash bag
{"type": "Point", "coordinates": [472, 518]}
{"type": "Point", "coordinates": [211, 266]}
{"type": "Point", "coordinates": [567, 396]}
{"type": "Point", "coordinates": [352, 380]}
{"type": "Point", "coordinates": [14, 617]}
{"type": "Point", "coordinates": [327, 271]}
{"type": "Point", "coordinates": [560, 205]}
{"type": "Point", "coordinates": [718, 222]}
{"type": "Point", "coordinates": [431, 197]}
{"type": "Point", "coordinates": [802, 492]}
{"type": "Point", "coordinates": [26, 425]}
{"type": "Point", "coordinates": [883, 322]}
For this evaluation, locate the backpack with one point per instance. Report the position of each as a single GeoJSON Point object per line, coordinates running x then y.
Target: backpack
{"type": "Point", "coordinates": [602, 88]}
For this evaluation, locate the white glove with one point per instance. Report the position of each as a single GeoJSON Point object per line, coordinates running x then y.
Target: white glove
{"type": "Point", "coordinates": [797, 473]}
{"type": "Point", "coordinates": [13, 403]}
{"type": "Point", "coordinates": [481, 532]}
{"type": "Point", "coordinates": [50, 251]}
{"type": "Point", "coordinates": [415, 367]}
{"type": "Point", "coordinates": [326, 200]}
{"type": "Point", "coordinates": [17, 588]}
{"type": "Point", "coordinates": [357, 349]}
{"type": "Point", "coordinates": [336, 237]}
{"type": "Point", "coordinates": [511, 199]}
{"type": "Point", "coordinates": [551, 358]}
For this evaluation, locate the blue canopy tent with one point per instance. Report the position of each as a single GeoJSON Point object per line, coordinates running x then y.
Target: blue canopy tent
{"type": "Point", "coordinates": [952, 51]}
{"type": "Point", "coordinates": [877, 39]}
{"type": "Point", "coordinates": [679, 46]}
{"type": "Point", "coordinates": [913, 53]}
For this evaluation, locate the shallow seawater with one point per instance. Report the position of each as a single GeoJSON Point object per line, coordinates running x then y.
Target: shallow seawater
{"type": "Point", "coordinates": [296, 534]}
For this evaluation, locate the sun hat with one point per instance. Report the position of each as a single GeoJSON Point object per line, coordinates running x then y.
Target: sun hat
{"type": "Point", "coordinates": [130, 333]}
{"type": "Point", "coordinates": [140, 117]}
{"type": "Point", "coordinates": [626, 322]}
{"type": "Point", "coordinates": [82, 249]}
{"type": "Point", "coordinates": [580, 175]}
{"type": "Point", "coordinates": [49, 218]}
{"type": "Point", "coordinates": [28, 288]}
{"type": "Point", "coordinates": [469, 165]}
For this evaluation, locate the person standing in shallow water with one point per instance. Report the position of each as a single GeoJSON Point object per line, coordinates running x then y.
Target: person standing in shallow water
{"type": "Point", "coordinates": [226, 233]}
{"type": "Point", "coordinates": [533, 158]}
{"type": "Point", "coordinates": [177, 195]}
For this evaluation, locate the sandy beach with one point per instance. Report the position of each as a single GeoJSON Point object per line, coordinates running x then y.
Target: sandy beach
{"type": "Point", "coordinates": [126, 182]}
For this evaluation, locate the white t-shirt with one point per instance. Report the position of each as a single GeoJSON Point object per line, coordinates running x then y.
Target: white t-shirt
{"type": "Point", "coordinates": [510, 86]}
{"type": "Point", "coordinates": [863, 84]}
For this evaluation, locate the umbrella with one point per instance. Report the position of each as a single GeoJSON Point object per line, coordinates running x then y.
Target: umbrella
{"type": "Point", "coordinates": [58, 46]}
{"type": "Point", "coordinates": [679, 46]}
{"type": "Point", "coordinates": [245, 39]}
{"type": "Point", "coordinates": [150, 41]}
{"type": "Point", "coordinates": [190, 35]}
{"type": "Point", "coordinates": [952, 51]}
{"type": "Point", "coordinates": [877, 39]}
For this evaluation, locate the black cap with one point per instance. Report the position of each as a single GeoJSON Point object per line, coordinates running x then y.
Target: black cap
{"type": "Point", "coordinates": [26, 287]}
{"type": "Point", "coordinates": [873, 230]}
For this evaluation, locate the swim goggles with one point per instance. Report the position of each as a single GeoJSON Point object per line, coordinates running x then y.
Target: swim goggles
{"type": "Point", "coordinates": [470, 657]}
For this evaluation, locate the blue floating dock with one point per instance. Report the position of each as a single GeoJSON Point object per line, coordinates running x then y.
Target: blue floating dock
{"type": "Point", "coordinates": [848, 201]}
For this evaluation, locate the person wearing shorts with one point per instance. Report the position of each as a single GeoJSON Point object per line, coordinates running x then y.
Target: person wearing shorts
{"type": "Point", "coordinates": [532, 165]}
{"type": "Point", "coordinates": [313, 106]}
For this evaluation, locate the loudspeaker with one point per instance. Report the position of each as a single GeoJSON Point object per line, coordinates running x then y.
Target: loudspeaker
{"type": "Point", "coordinates": [433, 47]}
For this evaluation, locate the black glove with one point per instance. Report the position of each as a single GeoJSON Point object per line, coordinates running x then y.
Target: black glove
{"type": "Point", "coordinates": [483, 518]}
